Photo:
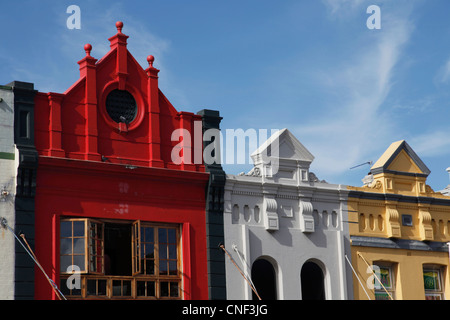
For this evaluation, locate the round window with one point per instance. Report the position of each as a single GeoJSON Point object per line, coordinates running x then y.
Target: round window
{"type": "Point", "coordinates": [121, 106]}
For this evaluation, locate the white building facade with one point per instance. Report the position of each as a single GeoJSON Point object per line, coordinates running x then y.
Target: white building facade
{"type": "Point", "coordinates": [285, 229]}
{"type": "Point", "coordinates": [18, 162]}
{"type": "Point", "coordinates": [8, 169]}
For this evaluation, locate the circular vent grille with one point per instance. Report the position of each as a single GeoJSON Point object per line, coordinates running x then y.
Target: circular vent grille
{"type": "Point", "coordinates": [121, 106]}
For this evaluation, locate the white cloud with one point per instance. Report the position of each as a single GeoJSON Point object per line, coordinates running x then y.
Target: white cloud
{"type": "Point", "coordinates": [430, 144]}
{"type": "Point", "coordinates": [361, 127]}
{"type": "Point", "coordinates": [342, 6]}
{"type": "Point", "coordinates": [443, 74]}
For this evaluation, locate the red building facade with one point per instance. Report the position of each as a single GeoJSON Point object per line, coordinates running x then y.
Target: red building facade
{"type": "Point", "coordinates": [110, 202]}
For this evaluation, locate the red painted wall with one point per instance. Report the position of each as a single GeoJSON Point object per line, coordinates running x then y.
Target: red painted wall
{"type": "Point", "coordinates": [90, 166]}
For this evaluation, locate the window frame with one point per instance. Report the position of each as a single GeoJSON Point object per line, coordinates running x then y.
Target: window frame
{"type": "Point", "coordinates": [174, 281]}
{"type": "Point", "coordinates": [440, 292]}
{"type": "Point", "coordinates": [390, 267]}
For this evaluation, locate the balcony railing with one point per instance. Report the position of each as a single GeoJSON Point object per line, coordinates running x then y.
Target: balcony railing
{"type": "Point", "coordinates": [120, 287]}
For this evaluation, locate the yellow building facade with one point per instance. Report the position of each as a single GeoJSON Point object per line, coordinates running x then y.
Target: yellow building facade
{"type": "Point", "coordinates": [399, 231]}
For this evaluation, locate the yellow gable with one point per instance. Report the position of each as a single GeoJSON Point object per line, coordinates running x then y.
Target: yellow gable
{"type": "Point", "coordinates": [404, 163]}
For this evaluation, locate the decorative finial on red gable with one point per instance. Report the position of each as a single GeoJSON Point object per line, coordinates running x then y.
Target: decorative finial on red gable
{"type": "Point", "coordinates": [88, 48]}
{"type": "Point", "coordinates": [150, 60]}
{"type": "Point", "coordinates": [119, 26]}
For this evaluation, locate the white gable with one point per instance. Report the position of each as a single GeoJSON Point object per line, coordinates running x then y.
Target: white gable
{"type": "Point", "coordinates": [282, 157]}
{"type": "Point", "coordinates": [283, 145]}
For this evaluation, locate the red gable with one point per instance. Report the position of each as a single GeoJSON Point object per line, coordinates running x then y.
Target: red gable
{"type": "Point", "coordinates": [114, 113]}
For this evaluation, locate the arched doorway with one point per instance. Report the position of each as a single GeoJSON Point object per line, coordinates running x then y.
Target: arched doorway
{"type": "Point", "coordinates": [312, 281]}
{"type": "Point", "coordinates": [263, 277]}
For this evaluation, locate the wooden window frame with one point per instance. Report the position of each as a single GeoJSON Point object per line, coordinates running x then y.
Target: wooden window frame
{"type": "Point", "coordinates": [174, 280]}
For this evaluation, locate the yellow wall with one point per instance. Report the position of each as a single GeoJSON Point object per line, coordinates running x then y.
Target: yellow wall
{"type": "Point", "coordinates": [408, 271]}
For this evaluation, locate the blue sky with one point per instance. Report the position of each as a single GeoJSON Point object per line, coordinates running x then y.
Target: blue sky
{"type": "Point", "coordinates": [345, 91]}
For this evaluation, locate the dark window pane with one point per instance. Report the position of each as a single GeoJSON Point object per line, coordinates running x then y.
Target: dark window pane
{"type": "Point", "coordinates": [126, 288]}
{"type": "Point", "coordinates": [172, 251]}
{"type": "Point", "coordinates": [173, 268]}
{"type": "Point", "coordinates": [92, 287]}
{"type": "Point", "coordinates": [174, 289]}
{"type": "Point", "coordinates": [149, 235]}
{"type": "Point", "coordinates": [79, 261]}
{"type": "Point", "coordinates": [172, 236]}
{"type": "Point", "coordinates": [150, 289]}
{"type": "Point", "coordinates": [163, 251]}
{"type": "Point", "coordinates": [101, 287]}
{"type": "Point", "coordinates": [117, 288]}
{"type": "Point", "coordinates": [140, 287]}
{"type": "Point", "coordinates": [148, 250]}
{"type": "Point", "coordinates": [78, 228]}
{"type": "Point", "coordinates": [149, 267]}
{"type": "Point", "coordinates": [63, 287]}
{"type": "Point", "coordinates": [65, 262]}
{"type": "Point", "coordinates": [162, 235]}
{"type": "Point", "coordinates": [66, 246]}
{"type": "Point", "coordinates": [76, 292]}
{"type": "Point", "coordinates": [121, 106]}
{"type": "Point", "coordinates": [163, 267]}
{"type": "Point", "coordinates": [164, 289]}
{"type": "Point", "coordinates": [66, 229]}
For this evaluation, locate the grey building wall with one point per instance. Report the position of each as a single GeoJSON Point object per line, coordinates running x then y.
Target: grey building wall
{"type": "Point", "coordinates": [17, 139]}
{"type": "Point", "coordinates": [281, 212]}
{"type": "Point", "coordinates": [8, 171]}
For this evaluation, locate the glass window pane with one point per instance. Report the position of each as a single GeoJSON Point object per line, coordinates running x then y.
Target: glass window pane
{"type": "Point", "coordinates": [126, 291]}
{"type": "Point", "coordinates": [99, 264]}
{"type": "Point", "coordinates": [92, 287]}
{"type": "Point", "coordinates": [149, 235]}
{"type": "Point", "coordinates": [79, 261]}
{"type": "Point", "coordinates": [162, 235]}
{"type": "Point", "coordinates": [66, 246]}
{"type": "Point", "coordinates": [163, 251]}
{"type": "Point", "coordinates": [431, 280]}
{"type": "Point", "coordinates": [383, 273]}
{"type": "Point", "coordinates": [173, 268]}
{"type": "Point", "coordinates": [149, 267]}
{"type": "Point", "coordinates": [382, 296]}
{"type": "Point", "coordinates": [172, 251]}
{"type": "Point", "coordinates": [78, 245]}
{"type": "Point", "coordinates": [63, 287]}
{"type": "Point", "coordinates": [148, 248]}
{"type": "Point", "coordinates": [174, 289]}
{"type": "Point", "coordinates": [76, 292]}
{"type": "Point", "coordinates": [163, 267]}
{"type": "Point", "coordinates": [101, 287]}
{"type": "Point", "coordinates": [78, 228]}
{"type": "Point", "coordinates": [164, 289]}
{"type": "Point", "coordinates": [150, 289]}
{"type": "Point", "coordinates": [140, 288]}
{"type": "Point", "coordinates": [117, 288]}
{"type": "Point", "coordinates": [66, 229]}
{"type": "Point", "coordinates": [65, 262]}
{"type": "Point", "coordinates": [172, 236]}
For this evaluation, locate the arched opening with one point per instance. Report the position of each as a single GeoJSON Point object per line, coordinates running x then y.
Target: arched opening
{"type": "Point", "coordinates": [263, 277]}
{"type": "Point", "coordinates": [312, 281]}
